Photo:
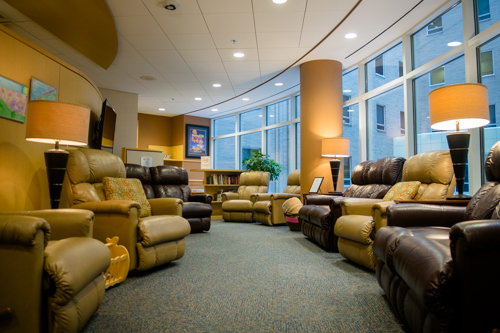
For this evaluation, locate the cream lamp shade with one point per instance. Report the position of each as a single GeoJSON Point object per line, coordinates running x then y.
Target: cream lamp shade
{"type": "Point", "coordinates": [51, 121]}
{"type": "Point", "coordinates": [335, 147]}
{"type": "Point", "coordinates": [459, 106]}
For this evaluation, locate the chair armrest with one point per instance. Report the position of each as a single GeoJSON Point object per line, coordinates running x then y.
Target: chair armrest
{"type": "Point", "coordinates": [379, 213]}
{"type": "Point", "coordinates": [22, 229]}
{"type": "Point", "coordinates": [226, 196]}
{"type": "Point", "coordinates": [260, 197]}
{"type": "Point", "coordinates": [358, 206]}
{"type": "Point", "coordinates": [109, 206]}
{"type": "Point", "coordinates": [416, 215]}
{"type": "Point", "coordinates": [205, 198]}
{"type": "Point", "coordinates": [318, 199]}
{"type": "Point", "coordinates": [166, 206]}
{"type": "Point", "coordinates": [284, 196]}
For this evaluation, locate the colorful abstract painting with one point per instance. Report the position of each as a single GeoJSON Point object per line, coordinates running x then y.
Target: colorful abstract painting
{"type": "Point", "coordinates": [13, 100]}
{"type": "Point", "coordinates": [42, 91]}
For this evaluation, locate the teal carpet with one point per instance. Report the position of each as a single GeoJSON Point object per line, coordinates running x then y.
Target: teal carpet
{"type": "Point", "coordinates": [242, 277]}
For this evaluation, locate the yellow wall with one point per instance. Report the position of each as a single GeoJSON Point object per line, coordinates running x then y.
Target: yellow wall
{"type": "Point", "coordinates": [154, 130]}
{"type": "Point", "coordinates": [23, 180]}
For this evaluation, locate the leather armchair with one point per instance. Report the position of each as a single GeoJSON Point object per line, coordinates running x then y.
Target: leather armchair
{"type": "Point", "coordinates": [238, 207]}
{"type": "Point", "coordinates": [167, 181]}
{"type": "Point", "coordinates": [370, 179]}
{"type": "Point", "coordinates": [438, 265]}
{"type": "Point", "coordinates": [51, 271]}
{"type": "Point", "coordinates": [361, 218]}
{"type": "Point", "coordinates": [151, 241]}
{"type": "Point", "coordinates": [268, 207]}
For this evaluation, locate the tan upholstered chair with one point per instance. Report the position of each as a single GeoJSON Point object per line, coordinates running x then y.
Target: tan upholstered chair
{"type": "Point", "coordinates": [238, 207]}
{"type": "Point", "coordinates": [51, 270]}
{"type": "Point", "coordinates": [151, 241]}
{"type": "Point", "coordinates": [267, 208]}
{"type": "Point", "coordinates": [361, 218]}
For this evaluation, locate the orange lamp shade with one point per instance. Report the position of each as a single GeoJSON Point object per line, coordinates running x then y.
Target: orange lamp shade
{"type": "Point", "coordinates": [335, 147]}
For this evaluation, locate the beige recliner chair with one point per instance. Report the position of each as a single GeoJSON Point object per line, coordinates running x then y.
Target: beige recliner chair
{"type": "Point", "coordinates": [362, 218]}
{"type": "Point", "coordinates": [268, 207]}
{"type": "Point", "coordinates": [238, 207]}
{"type": "Point", "coordinates": [51, 270]}
{"type": "Point", "coordinates": [151, 241]}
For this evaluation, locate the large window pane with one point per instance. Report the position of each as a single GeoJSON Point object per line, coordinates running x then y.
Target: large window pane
{"type": "Point", "coordinates": [297, 107]}
{"type": "Point", "coordinates": [487, 13]}
{"type": "Point", "coordinates": [350, 84]}
{"type": "Point", "coordinates": [278, 149]}
{"type": "Point", "coordinates": [427, 139]}
{"type": "Point", "coordinates": [384, 68]}
{"type": "Point", "coordinates": [251, 120]}
{"type": "Point", "coordinates": [384, 126]}
{"type": "Point", "coordinates": [224, 151]}
{"type": "Point", "coordinates": [432, 40]}
{"type": "Point", "coordinates": [297, 145]}
{"type": "Point", "coordinates": [351, 131]}
{"type": "Point", "coordinates": [224, 125]}
{"type": "Point", "coordinates": [278, 112]}
{"type": "Point", "coordinates": [249, 143]}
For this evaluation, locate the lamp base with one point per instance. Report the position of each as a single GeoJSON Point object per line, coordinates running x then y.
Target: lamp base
{"type": "Point", "coordinates": [335, 167]}
{"type": "Point", "coordinates": [458, 142]}
{"type": "Point", "coordinates": [55, 162]}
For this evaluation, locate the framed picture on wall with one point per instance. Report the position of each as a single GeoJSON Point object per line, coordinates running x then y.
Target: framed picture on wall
{"type": "Point", "coordinates": [42, 91]}
{"type": "Point", "coordinates": [197, 141]}
{"type": "Point", "coordinates": [13, 100]}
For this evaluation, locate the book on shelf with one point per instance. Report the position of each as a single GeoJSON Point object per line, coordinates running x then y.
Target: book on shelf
{"type": "Point", "coordinates": [222, 180]}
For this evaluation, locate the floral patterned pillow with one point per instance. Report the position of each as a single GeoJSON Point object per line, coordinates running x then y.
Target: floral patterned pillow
{"type": "Point", "coordinates": [402, 191]}
{"type": "Point", "coordinates": [127, 189]}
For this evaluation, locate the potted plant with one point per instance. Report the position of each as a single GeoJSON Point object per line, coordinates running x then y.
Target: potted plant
{"type": "Point", "coordinates": [262, 162]}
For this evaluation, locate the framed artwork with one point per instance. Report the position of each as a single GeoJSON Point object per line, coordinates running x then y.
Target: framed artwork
{"type": "Point", "coordinates": [42, 91]}
{"type": "Point", "coordinates": [197, 141]}
{"type": "Point", "coordinates": [13, 100]}
{"type": "Point", "coordinates": [316, 184]}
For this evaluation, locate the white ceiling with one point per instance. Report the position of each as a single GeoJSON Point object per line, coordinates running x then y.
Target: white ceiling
{"type": "Point", "coordinates": [191, 48]}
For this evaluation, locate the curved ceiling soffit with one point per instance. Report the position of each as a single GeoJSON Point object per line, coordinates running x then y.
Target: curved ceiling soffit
{"type": "Point", "coordinates": [87, 26]}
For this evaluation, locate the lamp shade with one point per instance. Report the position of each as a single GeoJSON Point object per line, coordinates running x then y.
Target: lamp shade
{"type": "Point", "coordinates": [49, 121]}
{"type": "Point", "coordinates": [465, 103]}
{"type": "Point", "coordinates": [335, 147]}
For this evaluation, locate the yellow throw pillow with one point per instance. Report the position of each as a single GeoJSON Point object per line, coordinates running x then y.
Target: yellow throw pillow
{"type": "Point", "coordinates": [127, 189]}
{"type": "Point", "coordinates": [402, 191]}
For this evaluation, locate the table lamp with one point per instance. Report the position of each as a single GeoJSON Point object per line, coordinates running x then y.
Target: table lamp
{"type": "Point", "coordinates": [459, 107]}
{"type": "Point", "coordinates": [59, 123]}
{"type": "Point", "coordinates": [335, 147]}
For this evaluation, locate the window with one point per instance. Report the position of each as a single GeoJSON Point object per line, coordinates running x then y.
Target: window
{"type": "Point", "coordinates": [224, 153]}
{"type": "Point", "coordinates": [297, 107]}
{"type": "Point", "coordinates": [248, 143]}
{"type": "Point", "coordinates": [384, 68]}
{"type": "Point", "coordinates": [486, 65]}
{"type": "Point", "coordinates": [379, 65]}
{"type": "Point", "coordinates": [278, 112]}
{"type": "Point", "coordinates": [350, 83]}
{"type": "Point", "coordinates": [347, 172]}
{"type": "Point", "coordinates": [483, 10]}
{"type": "Point", "coordinates": [297, 145]}
{"type": "Point", "coordinates": [401, 71]}
{"type": "Point", "coordinates": [402, 121]}
{"type": "Point", "coordinates": [380, 117]}
{"type": "Point", "coordinates": [493, 117]}
{"type": "Point", "coordinates": [346, 115]}
{"type": "Point", "coordinates": [223, 126]}
{"type": "Point", "coordinates": [435, 26]}
{"type": "Point", "coordinates": [351, 132]}
{"type": "Point", "coordinates": [278, 149]}
{"type": "Point", "coordinates": [250, 120]}
{"type": "Point", "coordinates": [436, 76]}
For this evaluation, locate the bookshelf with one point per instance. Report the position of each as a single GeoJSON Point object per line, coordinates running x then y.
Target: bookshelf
{"type": "Point", "coordinates": [212, 189]}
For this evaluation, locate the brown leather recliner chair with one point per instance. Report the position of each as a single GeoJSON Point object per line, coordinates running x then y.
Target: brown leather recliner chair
{"type": "Point", "coordinates": [238, 207]}
{"type": "Point", "coordinates": [442, 279]}
{"type": "Point", "coordinates": [370, 179]}
{"type": "Point", "coordinates": [51, 270]}
{"type": "Point", "coordinates": [361, 218]}
{"type": "Point", "coordinates": [151, 241]}
{"type": "Point", "coordinates": [268, 207]}
{"type": "Point", "coordinates": [166, 181]}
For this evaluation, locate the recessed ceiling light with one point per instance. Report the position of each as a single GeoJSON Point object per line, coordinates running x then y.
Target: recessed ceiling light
{"type": "Point", "coordinates": [147, 78]}
{"type": "Point", "coordinates": [161, 109]}
{"type": "Point", "coordinates": [350, 110]}
{"type": "Point", "coordinates": [216, 85]}
{"type": "Point", "coordinates": [454, 43]}
{"type": "Point", "coordinates": [197, 98]}
{"type": "Point", "coordinates": [239, 54]}
{"type": "Point", "coordinates": [215, 109]}
{"type": "Point", "coordinates": [347, 90]}
{"type": "Point", "coordinates": [279, 84]}
{"type": "Point", "coordinates": [279, 1]}
{"type": "Point", "coordinates": [351, 35]}
{"type": "Point", "coordinates": [245, 99]}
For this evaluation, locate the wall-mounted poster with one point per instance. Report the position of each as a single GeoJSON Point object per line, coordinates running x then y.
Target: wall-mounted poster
{"type": "Point", "coordinates": [13, 100]}
{"type": "Point", "coordinates": [42, 91]}
{"type": "Point", "coordinates": [197, 141]}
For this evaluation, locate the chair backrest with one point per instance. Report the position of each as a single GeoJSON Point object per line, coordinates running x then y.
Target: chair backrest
{"type": "Point", "coordinates": [373, 179]}
{"type": "Point", "coordinates": [434, 171]}
{"type": "Point", "coordinates": [86, 168]}
{"type": "Point", "coordinates": [293, 183]}
{"type": "Point", "coordinates": [170, 182]}
{"type": "Point", "coordinates": [143, 174]}
{"type": "Point", "coordinates": [253, 182]}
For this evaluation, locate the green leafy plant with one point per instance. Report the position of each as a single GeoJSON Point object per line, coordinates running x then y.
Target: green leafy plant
{"type": "Point", "coordinates": [262, 162]}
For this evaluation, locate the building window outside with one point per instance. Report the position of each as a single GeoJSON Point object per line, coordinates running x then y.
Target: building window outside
{"type": "Point", "coordinates": [401, 70]}
{"type": "Point", "coordinates": [493, 117]}
{"type": "Point", "coordinates": [380, 117]}
{"type": "Point", "coordinates": [347, 172]}
{"type": "Point", "coordinates": [486, 65]}
{"type": "Point", "coordinates": [402, 121]}
{"type": "Point", "coordinates": [351, 132]}
{"type": "Point", "coordinates": [346, 115]}
{"type": "Point", "coordinates": [436, 77]}
{"type": "Point", "coordinates": [384, 68]}
{"type": "Point", "coordinates": [350, 86]}
{"type": "Point", "coordinates": [278, 149]}
{"type": "Point", "coordinates": [435, 26]}
{"type": "Point", "coordinates": [483, 10]}
{"type": "Point", "coordinates": [487, 13]}
{"type": "Point", "coordinates": [379, 65]}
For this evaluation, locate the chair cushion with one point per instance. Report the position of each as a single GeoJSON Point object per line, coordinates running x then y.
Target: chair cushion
{"type": "Point", "coordinates": [402, 191]}
{"type": "Point", "coordinates": [237, 206]}
{"type": "Point", "coordinates": [127, 189]}
{"type": "Point", "coordinates": [196, 210]}
{"type": "Point", "coordinates": [263, 207]}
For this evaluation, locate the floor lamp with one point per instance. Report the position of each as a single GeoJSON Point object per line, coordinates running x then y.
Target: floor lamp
{"type": "Point", "coordinates": [59, 123]}
{"type": "Point", "coordinates": [335, 147]}
{"type": "Point", "coordinates": [459, 107]}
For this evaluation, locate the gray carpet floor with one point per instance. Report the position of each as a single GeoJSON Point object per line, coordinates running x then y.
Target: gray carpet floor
{"type": "Point", "coordinates": [241, 277]}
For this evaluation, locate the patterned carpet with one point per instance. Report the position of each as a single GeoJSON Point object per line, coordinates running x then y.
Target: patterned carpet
{"type": "Point", "coordinates": [242, 277]}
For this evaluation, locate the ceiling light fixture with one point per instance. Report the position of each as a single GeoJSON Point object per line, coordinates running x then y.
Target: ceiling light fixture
{"type": "Point", "coordinates": [245, 99]}
{"type": "Point", "coordinates": [197, 98]}
{"type": "Point", "coordinates": [351, 35]}
{"type": "Point", "coordinates": [215, 109]}
{"type": "Point", "coordinates": [161, 109]}
{"type": "Point", "coordinates": [216, 85]}
{"type": "Point", "coordinates": [279, 1]}
{"type": "Point", "coordinates": [239, 54]}
{"type": "Point", "coordinates": [279, 84]}
{"type": "Point", "coordinates": [452, 44]}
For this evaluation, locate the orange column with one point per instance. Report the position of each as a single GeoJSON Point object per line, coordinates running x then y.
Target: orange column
{"type": "Point", "coordinates": [320, 117]}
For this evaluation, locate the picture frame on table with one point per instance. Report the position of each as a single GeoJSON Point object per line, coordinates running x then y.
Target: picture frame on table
{"type": "Point", "coordinates": [197, 141]}
{"type": "Point", "coordinates": [316, 184]}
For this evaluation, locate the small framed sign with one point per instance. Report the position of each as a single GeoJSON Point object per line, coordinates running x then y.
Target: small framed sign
{"type": "Point", "coordinates": [316, 184]}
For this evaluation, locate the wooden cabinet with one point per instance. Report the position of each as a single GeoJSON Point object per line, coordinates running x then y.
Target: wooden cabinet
{"type": "Point", "coordinates": [220, 184]}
